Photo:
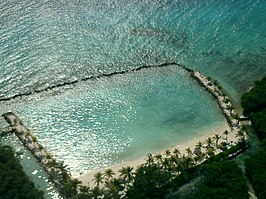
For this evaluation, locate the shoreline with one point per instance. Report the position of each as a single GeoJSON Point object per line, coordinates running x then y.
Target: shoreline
{"type": "Point", "coordinates": [30, 142]}
{"type": "Point", "coordinates": [87, 178]}
{"type": "Point", "coordinates": [231, 138]}
{"type": "Point", "coordinates": [232, 126]}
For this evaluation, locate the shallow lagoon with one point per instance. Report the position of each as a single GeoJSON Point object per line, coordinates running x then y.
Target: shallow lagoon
{"type": "Point", "coordinates": [101, 122]}
{"type": "Point", "coordinates": [43, 43]}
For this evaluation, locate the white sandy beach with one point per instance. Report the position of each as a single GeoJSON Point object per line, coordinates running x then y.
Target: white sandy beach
{"type": "Point", "coordinates": [88, 178]}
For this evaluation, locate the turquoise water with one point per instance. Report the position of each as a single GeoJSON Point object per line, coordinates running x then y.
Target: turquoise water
{"type": "Point", "coordinates": [35, 172]}
{"type": "Point", "coordinates": [103, 121]}
{"type": "Point", "coordinates": [46, 42]}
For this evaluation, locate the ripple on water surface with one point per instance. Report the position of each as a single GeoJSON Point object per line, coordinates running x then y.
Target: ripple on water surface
{"type": "Point", "coordinates": [104, 121]}
{"type": "Point", "coordinates": [44, 43]}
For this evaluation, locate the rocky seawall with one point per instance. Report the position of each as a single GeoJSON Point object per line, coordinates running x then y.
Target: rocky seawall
{"type": "Point", "coordinates": [58, 171]}
{"type": "Point", "coordinates": [165, 64]}
{"type": "Point", "coordinates": [54, 169]}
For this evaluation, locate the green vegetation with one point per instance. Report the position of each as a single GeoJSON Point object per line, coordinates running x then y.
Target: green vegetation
{"type": "Point", "coordinates": [256, 171]}
{"type": "Point", "coordinates": [151, 181]}
{"type": "Point", "coordinates": [216, 180]}
{"type": "Point", "coordinates": [174, 177]}
{"type": "Point", "coordinates": [222, 180]}
{"type": "Point", "coordinates": [14, 183]}
{"type": "Point", "coordinates": [254, 104]}
{"type": "Point", "coordinates": [165, 175]}
{"type": "Point", "coordinates": [259, 123]}
{"type": "Point", "coordinates": [60, 175]}
{"type": "Point", "coordinates": [170, 175]}
{"type": "Point", "coordinates": [198, 174]}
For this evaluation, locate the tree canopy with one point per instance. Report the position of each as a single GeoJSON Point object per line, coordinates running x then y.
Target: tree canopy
{"type": "Point", "coordinates": [255, 100]}
{"type": "Point", "coordinates": [254, 104]}
{"type": "Point", "coordinates": [259, 123]}
{"type": "Point", "coordinates": [256, 171]}
{"type": "Point", "coordinates": [221, 180]}
{"type": "Point", "coordinates": [14, 182]}
{"type": "Point", "coordinates": [150, 182]}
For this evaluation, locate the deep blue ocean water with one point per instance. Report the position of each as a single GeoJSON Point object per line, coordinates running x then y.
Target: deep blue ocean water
{"type": "Point", "coordinates": [101, 122]}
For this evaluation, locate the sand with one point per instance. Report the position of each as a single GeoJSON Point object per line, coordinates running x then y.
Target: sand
{"type": "Point", "coordinates": [88, 177]}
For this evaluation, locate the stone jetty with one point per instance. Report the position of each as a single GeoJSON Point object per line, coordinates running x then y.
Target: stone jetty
{"type": "Point", "coordinates": [223, 101]}
{"type": "Point", "coordinates": [57, 171]}
{"type": "Point", "coordinates": [53, 168]}
{"type": "Point", "coordinates": [24, 135]}
{"type": "Point", "coordinates": [59, 85]}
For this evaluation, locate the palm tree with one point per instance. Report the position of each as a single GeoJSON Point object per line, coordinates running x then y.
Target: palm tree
{"type": "Point", "coordinates": [40, 149]}
{"type": "Point", "coordinates": [126, 173]}
{"type": "Point", "coordinates": [63, 172]}
{"type": "Point", "coordinates": [209, 141]}
{"type": "Point", "coordinates": [210, 151]}
{"type": "Point", "coordinates": [109, 174]}
{"type": "Point", "coordinates": [84, 192]}
{"type": "Point", "coordinates": [84, 189]}
{"type": "Point", "coordinates": [54, 171]}
{"type": "Point", "coordinates": [216, 138]}
{"type": "Point", "coordinates": [177, 152]}
{"type": "Point", "coordinates": [64, 176]}
{"type": "Point", "coordinates": [167, 153]}
{"type": "Point", "coordinates": [97, 192]}
{"type": "Point", "coordinates": [27, 133]}
{"type": "Point", "coordinates": [61, 166]}
{"type": "Point", "coordinates": [150, 159]}
{"type": "Point", "coordinates": [118, 182]}
{"type": "Point", "coordinates": [199, 155]}
{"type": "Point", "coordinates": [48, 159]}
{"type": "Point", "coordinates": [240, 135]}
{"type": "Point", "coordinates": [114, 187]}
{"type": "Point", "coordinates": [226, 134]}
{"type": "Point", "coordinates": [34, 140]}
{"type": "Point", "coordinates": [166, 164]}
{"type": "Point", "coordinates": [98, 178]}
{"type": "Point", "coordinates": [70, 189]}
{"type": "Point", "coordinates": [186, 162]}
{"type": "Point", "coordinates": [158, 157]}
{"type": "Point", "coordinates": [189, 152]}
{"type": "Point", "coordinates": [173, 159]}
{"type": "Point", "coordinates": [53, 163]}
{"type": "Point", "coordinates": [199, 145]}
{"type": "Point", "coordinates": [48, 156]}
{"type": "Point", "coordinates": [113, 192]}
